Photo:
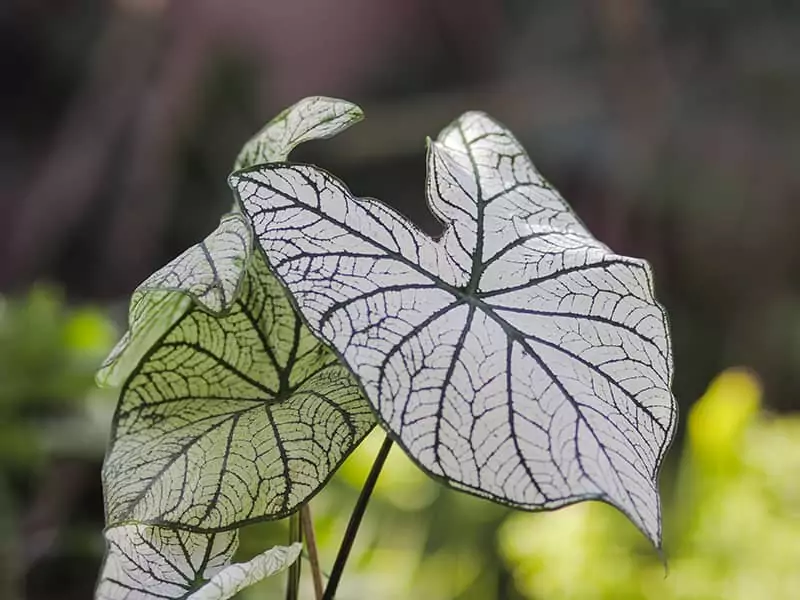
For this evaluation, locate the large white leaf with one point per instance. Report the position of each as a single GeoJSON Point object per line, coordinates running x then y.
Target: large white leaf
{"type": "Point", "coordinates": [516, 358]}
{"type": "Point", "coordinates": [210, 272]}
{"type": "Point", "coordinates": [152, 563]}
{"type": "Point", "coordinates": [231, 418]}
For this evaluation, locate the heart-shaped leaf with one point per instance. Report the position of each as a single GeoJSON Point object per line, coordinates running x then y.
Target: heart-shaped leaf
{"type": "Point", "coordinates": [151, 563]}
{"type": "Point", "coordinates": [232, 411]}
{"type": "Point", "coordinates": [209, 273]}
{"type": "Point", "coordinates": [233, 418]}
{"type": "Point", "coordinates": [516, 358]}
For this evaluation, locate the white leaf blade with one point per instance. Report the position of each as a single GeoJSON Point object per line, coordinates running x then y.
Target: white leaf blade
{"type": "Point", "coordinates": [234, 578]}
{"type": "Point", "coordinates": [231, 419]}
{"type": "Point", "coordinates": [429, 362]}
{"type": "Point", "coordinates": [316, 117]}
{"type": "Point", "coordinates": [152, 563]}
{"type": "Point", "coordinates": [506, 182]}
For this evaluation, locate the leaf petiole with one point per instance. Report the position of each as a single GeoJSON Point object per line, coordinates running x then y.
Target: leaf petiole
{"type": "Point", "coordinates": [355, 519]}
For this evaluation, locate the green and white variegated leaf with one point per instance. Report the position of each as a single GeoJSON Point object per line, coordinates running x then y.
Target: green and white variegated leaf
{"type": "Point", "coordinates": [312, 118]}
{"type": "Point", "coordinates": [231, 418]}
{"type": "Point", "coordinates": [152, 563]}
{"type": "Point", "coordinates": [516, 358]}
{"type": "Point", "coordinates": [207, 274]}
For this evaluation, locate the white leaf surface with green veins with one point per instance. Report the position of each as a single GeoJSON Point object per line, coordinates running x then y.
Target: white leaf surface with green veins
{"type": "Point", "coordinates": [517, 358]}
{"type": "Point", "coordinates": [312, 118]}
{"type": "Point", "coordinates": [231, 418]}
{"type": "Point", "coordinates": [209, 273]}
{"type": "Point", "coordinates": [152, 563]}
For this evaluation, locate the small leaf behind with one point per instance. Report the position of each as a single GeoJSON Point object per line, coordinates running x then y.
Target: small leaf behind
{"type": "Point", "coordinates": [209, 273]}
{"type": "Point", "coordinates": [152, 563]}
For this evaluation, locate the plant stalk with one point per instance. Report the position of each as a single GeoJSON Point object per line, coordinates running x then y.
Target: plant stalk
{"type": "Point", "coordinates": [307, 524]}
{"type": "Point", "coordinates": [355, 520]}
{"type": "Point", "coordinates": [295, 535]}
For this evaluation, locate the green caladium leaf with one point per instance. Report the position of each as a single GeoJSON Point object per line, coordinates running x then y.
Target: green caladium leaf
{"type": "Point", "coordinates": [232, 411]}
{"type": "Point", "coordinates": [152, 563]}
{"type": "Point", "coordinates": [231, 418]}
{"type": "Point", "coordinates": [209, 273]}
{"type": "Point", "coordinates": [516, 358]}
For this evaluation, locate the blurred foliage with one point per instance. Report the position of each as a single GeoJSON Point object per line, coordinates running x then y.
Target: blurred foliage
{"type": "Point", "coordinates": [53, 425]}
{"type": "Point", "coordinates": [48, 356]}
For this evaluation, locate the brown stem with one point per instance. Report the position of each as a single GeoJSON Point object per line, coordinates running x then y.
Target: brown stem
{"type": "Point", "coordinates": [311, 545]}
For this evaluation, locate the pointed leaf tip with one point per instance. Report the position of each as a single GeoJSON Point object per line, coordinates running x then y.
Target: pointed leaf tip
{"type": "Point", "coordinates": [316, 117]}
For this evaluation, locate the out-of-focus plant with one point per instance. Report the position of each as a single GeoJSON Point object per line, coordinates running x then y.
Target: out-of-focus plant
{"type": "Point", "coordinates": [49, 409]}
{"type": "Point", "coordinates": [48, 356]}
{"type": "Point", "coordinates": [732, 524]}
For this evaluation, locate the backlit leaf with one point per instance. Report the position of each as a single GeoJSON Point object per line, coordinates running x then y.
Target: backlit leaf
{"type": "Point", "coordinates": [312, 118]}
{"type": "Point", "coordinates": [209, 273]}
{"type": "Point", "coordinates": [516, 358]}
{"type": "Point", "coordinates": [149, 563]}
{"type": "Point", "coordinates": [231, 419]}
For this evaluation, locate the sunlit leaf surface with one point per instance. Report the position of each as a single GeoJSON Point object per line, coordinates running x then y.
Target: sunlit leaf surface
{"type": "Point", "coordinates": [517, 358]}
{"type": "Point", "coordinates": [231, 419]}
{"type": "Point", "coordinates": [149, 563]}
{"type": "Point", "coordinates": [232, 411]}
{"type": "Point", "coordinates": [209, 273]}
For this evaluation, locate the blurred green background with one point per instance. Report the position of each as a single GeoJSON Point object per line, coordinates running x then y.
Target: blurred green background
{"type": "Point", "coordinates": [672, 127]}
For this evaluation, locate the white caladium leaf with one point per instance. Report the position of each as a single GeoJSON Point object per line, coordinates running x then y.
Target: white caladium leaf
{"type": "Point", "coordinates": [152, 563]}
{"type": "Point", "coordinates": [208, 274]}
{"type": "Point", "coordinates": [312, 118]}
{"type": "Point", "coordinates": [516, 358]}
{"type": "Point", "coordinates": [231, 418]}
